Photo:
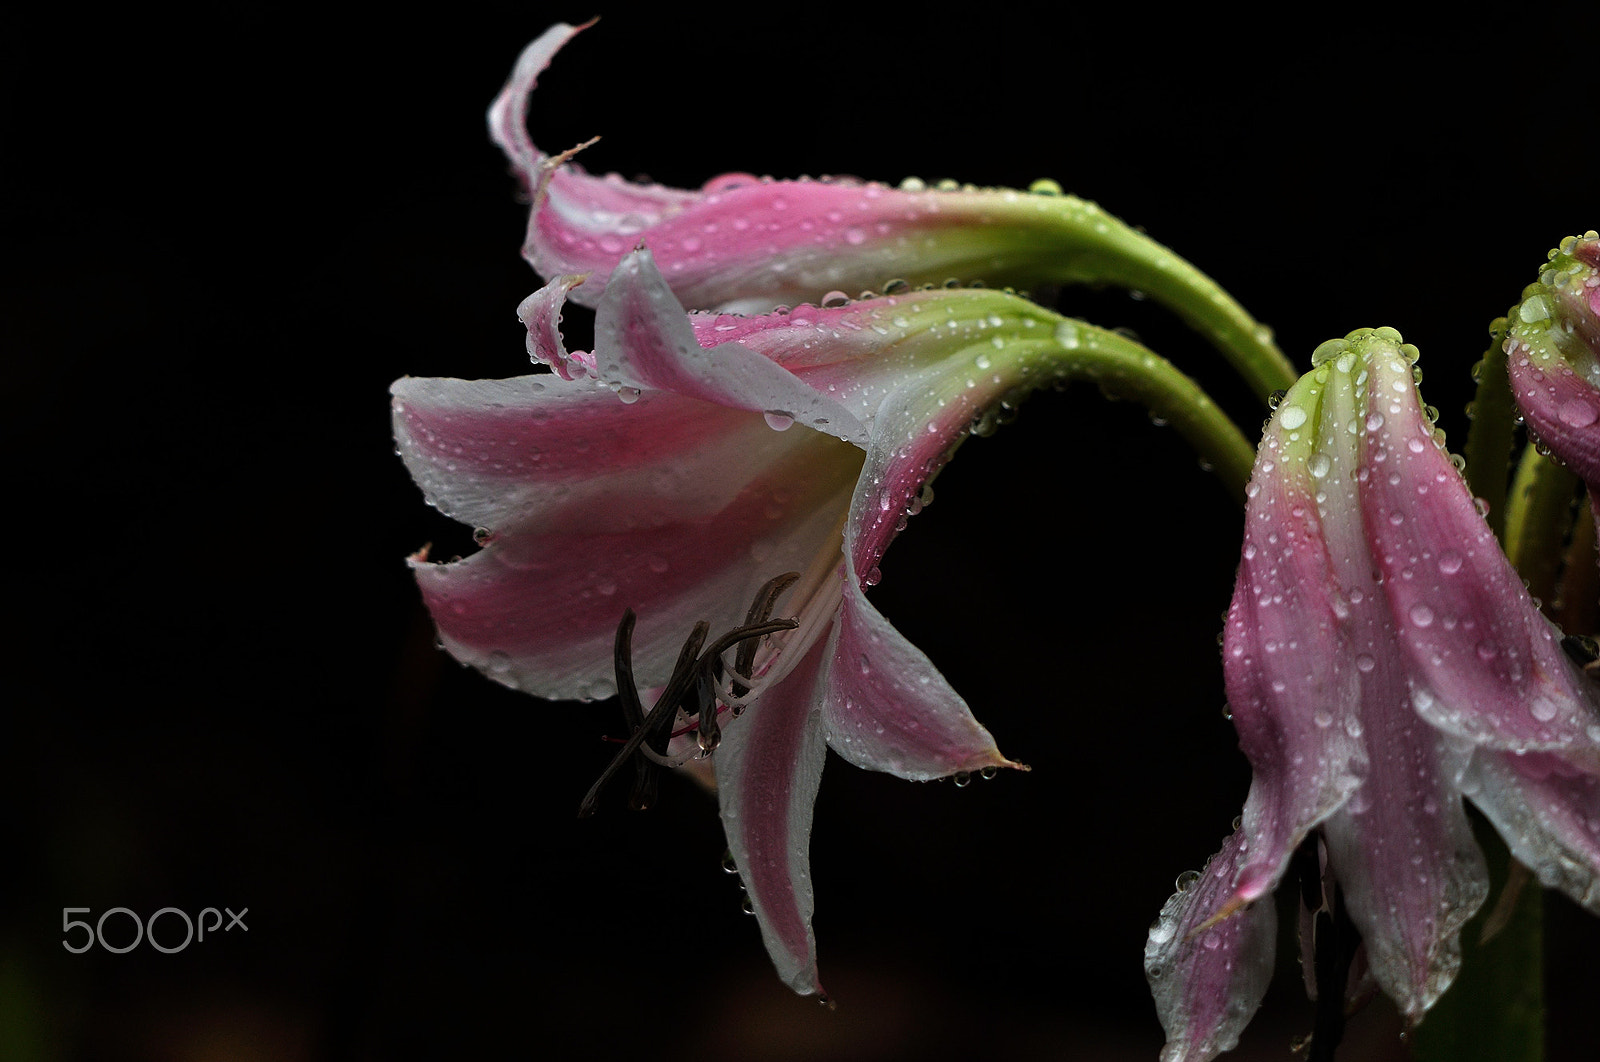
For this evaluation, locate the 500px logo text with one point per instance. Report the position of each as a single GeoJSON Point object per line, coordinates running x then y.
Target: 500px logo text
{"type": "Point", "coordinates": [145, 929]}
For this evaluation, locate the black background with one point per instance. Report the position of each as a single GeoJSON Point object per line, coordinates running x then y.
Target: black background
{"type": "Point", "coordinates": [225, 236]}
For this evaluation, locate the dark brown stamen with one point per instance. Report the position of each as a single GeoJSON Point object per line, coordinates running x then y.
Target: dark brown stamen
{"type": "Point", "coordinates": [702, 671]}
{"type": "Point", "coordinates": [654, 724]}
{"type": "Point", "coordinates": [760, 611]}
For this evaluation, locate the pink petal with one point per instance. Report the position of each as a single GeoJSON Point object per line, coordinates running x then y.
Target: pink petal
{"type": "Point", "coordinates": [594, 209]}
{"type": "Point", "coordinates": [1491, 666]}
{"type": "Point", "coordinates": [541, 314]}
{"type": "Point", "coordinates": [768, 768]}
{"type": "Point", "coordinates": [886, 706]}
{"type": "Point", "coordinates": [1553, 356]}
{"type": "Point", "coordinates": [1297, 637]}
{"type": "Point", "coordinates": [1549, 813]}
{"type": "Point", "coordinates": [643, 340]}
{"type": "Point", "coordinates": [1209, 981]}
{"type": "Point", "coordinates": [596, 506]}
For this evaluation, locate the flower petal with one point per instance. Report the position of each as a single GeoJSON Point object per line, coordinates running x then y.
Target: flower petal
{"type": "Point", "coordinates": [768, 768]}
{"type": "Point", "coordinates": [1402, 850]}
{"type": "Point", "coordinates": [1401, 847]}
{"type": "Point", "coordinates": [1553, 356]}
{"type": "Point", "coordinates": [1208, 979]}
{"type": "Point", "coordinates": [1490, 666]}
{"type": "Point", "coordinates": [578, 207]}
{"type": "Point", "coordinates": [1549, 813]}
{"type": "Point", "coordinates": [886, 706]}
{"type": "Point", "coordinates": [750, 244]}
{"type": "Point", "coordinates": [644, 340]}
{"type": "Point", "coordinates": [676, 508]}
{"type": "Point", "coordinates": [1297, 637]}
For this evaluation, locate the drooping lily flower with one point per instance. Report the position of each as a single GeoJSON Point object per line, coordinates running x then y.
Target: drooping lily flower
{"type": "Point", "coordinates": [1553, 356]}
{"type": "Point", "coordinates": [689, 459]}
{"type": "Point", "coordinates": [1383, 661]}
{"type": "Point", "coordinates": [748, 244]}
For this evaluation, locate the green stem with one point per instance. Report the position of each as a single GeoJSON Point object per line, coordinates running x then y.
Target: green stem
{"type": "Point", "coordinates": [1114, 253]}
{"type": "Point", "coordinates": [1127, 369]}
{"type": "Point", "coordinates": [1488, 450]}
{"type": "Point", "coordinates": [1008, 237]}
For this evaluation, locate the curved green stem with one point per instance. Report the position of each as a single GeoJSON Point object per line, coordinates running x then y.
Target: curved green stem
{"type": "Point", "coordinates": [1127, 369]}
{"type": "Point", "coordinates": [1111, 252]}
{"type": "Point", "coordinates": [1027, 238]}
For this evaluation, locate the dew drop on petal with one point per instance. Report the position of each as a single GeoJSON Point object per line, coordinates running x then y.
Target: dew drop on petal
{"type": "Point", "coordinates": [1365, 662]}
{"type": "Point", "coordinates": [1577, 413]}
{"type": "Point", "coordinates": [1449, 562]}
{"type": "Point", "coordinates": [1421, 615]}
{"type": "Point", "coordinates": [1319, 464]}
{"type": "Point", "coordinates": [1291, 416]}
{"type": "Point", "coordinates": [778, 420]}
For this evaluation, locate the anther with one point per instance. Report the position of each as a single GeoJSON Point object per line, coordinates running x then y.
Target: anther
{"type": "Point", "coordinates": [702, 671]}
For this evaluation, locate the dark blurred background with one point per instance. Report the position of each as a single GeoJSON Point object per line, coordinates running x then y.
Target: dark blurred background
{"type": "Point", "coordinates": [224, 235]}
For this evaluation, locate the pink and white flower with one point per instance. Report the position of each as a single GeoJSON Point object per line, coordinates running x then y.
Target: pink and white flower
{"type": "Point", "coordinates": [689, 459]}
{"type": "Point", "coordinates": [1383, 661]}
{"type": "Point", "coordinates": [1553, 356]}
{"type": "Point", "coordinates": [749, 244]}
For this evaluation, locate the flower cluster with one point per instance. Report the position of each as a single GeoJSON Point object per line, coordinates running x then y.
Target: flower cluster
{"type": "Point", "coordinates": [1384, 660]}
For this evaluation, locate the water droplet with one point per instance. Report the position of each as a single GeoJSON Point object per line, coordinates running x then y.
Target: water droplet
{"type": "Point", "coordinates": [1449, 562]}
{"type": "Point", "coordinates": [1365, 663]}
{"type": "Point", "coordinates": [962, 779]}
{"type": "Point", "coordinates": [1577, 413]}
{"type": "Point", "coordinates": [1534, 309]}
{"type": "Point", "coordinates": [778, 420]}
{"type": "Point", "coordinates": [835, 299]}
{"type": "Point", "coordinates": [1319, 465]}
{"type": "Point", "coordinates": [1186, 880]}
{"type": "Point", "coordinates": [1291, 417]}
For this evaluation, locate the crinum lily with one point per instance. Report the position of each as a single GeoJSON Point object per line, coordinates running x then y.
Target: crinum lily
{"type": "Point", "coordinates": [1383, 661]}
{"type": "Point", "coordinates": [750, 244]}
{"type": "Point", "coordinates": [689, 460]}
{"type": "Point", "coordinates": [1553, 356]}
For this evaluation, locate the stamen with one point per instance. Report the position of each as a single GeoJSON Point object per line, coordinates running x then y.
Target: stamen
{"type": "Point", "coordinates": [705, 672]}
{"type": "Point", "coordinates": [644, 782]}
{"type": "Point", "coordinates": [653, 723]}
{"type": "Point", "coordinates": [711, 663]}
{"type": "Point", "coordinates": [760, 611]}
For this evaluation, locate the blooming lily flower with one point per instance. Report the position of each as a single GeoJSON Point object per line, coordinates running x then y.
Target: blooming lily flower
{"type": "Point", "coordinates": [1553, 356]}
{"type": "Point", "coordinates": [1383, 660]}
{"type": "Point", "coordinates": [749, 244]}
{"type": "Point", "coordinates": [688, 459]}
